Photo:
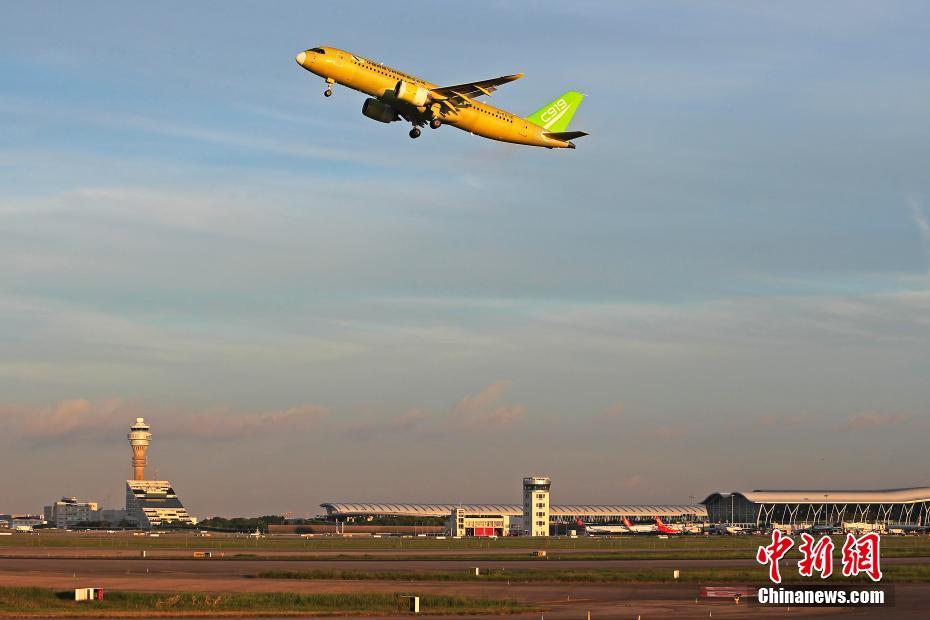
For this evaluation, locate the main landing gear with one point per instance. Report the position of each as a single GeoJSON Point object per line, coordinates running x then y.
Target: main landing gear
{"type": "Point", "coordinates": [435, 123]}
{"type": "Point", "coordinates": [415, 133]}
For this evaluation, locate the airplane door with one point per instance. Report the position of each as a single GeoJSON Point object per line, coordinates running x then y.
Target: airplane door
{"type": "Point", "coordinates": [347, 65]}
{"type": "Point", "coordinates": [524, 128]}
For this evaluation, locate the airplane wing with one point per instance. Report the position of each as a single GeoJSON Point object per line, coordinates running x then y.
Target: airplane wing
{"type": "Point", "coordinates": [461, 93]}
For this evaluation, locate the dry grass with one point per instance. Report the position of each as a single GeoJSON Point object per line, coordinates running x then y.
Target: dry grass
{"type": "Point", "coordinates": [40, 602]}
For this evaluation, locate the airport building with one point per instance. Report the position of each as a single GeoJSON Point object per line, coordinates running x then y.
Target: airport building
{"type": "Point", "coordinates": [150, 503]}
{"type": "Point", "coordinates": [23, 523]}
{"type": "Point", "coordinates": [153, 503]}
{"type": "Point", "coordinates": [464, 524]}
{"type": "Point", "coordinates": [834, 508]}
{"type": "Point", "coordinates": [67, 512]}
{"type": "Point", "coordinates": [536, 516]}
{"type": "Point", "coordinates": [558, 514]}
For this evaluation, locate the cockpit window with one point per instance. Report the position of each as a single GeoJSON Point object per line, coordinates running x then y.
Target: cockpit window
{"type": "Point", "coordinates": [318, 50]}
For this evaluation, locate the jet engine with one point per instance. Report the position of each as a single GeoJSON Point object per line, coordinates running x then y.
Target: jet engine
{"type": "Point", "coordinates": [411, 93]}
{"type": "Point", "coordinates": [381, 112]}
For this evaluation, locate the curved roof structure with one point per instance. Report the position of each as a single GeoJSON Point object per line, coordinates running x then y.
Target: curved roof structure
{"type": "Point", "coordinates": [831, 496]}
{"type": "Point", "coordinates": [514, 510]}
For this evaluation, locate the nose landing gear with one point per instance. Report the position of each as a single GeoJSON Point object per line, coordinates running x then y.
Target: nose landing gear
{"type": "Point", "coordinates": [329, 87]}
{"type": "Point", "coordinates": [415, 133]}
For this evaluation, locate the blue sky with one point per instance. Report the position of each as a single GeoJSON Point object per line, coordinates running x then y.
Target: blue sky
{"type": "Point", "coordinates": [730, 276]}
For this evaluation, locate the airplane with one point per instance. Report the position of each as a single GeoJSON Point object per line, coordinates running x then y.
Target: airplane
{"type": "Point", "coordinates": [726, 528]}
{"type": "Point", "coordinates": [664, 529]}
{"type": "Point", "coordinates": [394, 95]}
{"type": "Point", "coordinates": [639, 529]}
{"type": "Point", "coordinates": [596, 530]}
{"type": "Point", "coordinates": [593, 529]}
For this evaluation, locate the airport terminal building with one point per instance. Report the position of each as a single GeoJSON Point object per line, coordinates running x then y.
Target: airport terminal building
{"type": "Point", "coordinates": [589, 513]}
{"type": "Point", "coordinates": [507, 519]}
{"type": "Point", "coordinates": [763, 509]}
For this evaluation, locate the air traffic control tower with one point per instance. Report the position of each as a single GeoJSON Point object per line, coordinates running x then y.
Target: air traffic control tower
{"type": "Point", "coordinates": [139, 440]}
{"type": "Point", "coordinates": [536, 506]}
{"type": "Point", "coordinates": [150, 503]}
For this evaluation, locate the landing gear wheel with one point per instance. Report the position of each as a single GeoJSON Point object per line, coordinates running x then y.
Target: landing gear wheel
{"type": "Point", "coordinates": [435, 123]}
{"type": "Point", "coordinates": [328, 92]}
{"type": "Point", "coordinates": [415, 133]}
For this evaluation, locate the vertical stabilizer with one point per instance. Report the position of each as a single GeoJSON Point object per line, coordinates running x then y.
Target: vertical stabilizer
{"type": "Point", "coordinates": [557, 114]}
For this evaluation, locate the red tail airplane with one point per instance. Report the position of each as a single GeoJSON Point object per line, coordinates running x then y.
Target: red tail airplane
{"type": "Point", "coordinates": [664, 529]}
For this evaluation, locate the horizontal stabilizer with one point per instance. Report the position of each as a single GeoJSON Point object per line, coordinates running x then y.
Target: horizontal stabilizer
{"type": "Point", "coordinates": [565, 136]}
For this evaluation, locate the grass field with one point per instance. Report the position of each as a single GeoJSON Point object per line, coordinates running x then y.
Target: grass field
{"type": "Point", "coordinates": [39, 602]}
{"type": "Point", "coordinates": [628, 547]}
{"type": "Point", "coordinates": [892, 574]}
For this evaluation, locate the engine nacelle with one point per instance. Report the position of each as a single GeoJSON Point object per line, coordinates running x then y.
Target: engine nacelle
{"type": "Point", "coordinates": [381, 112]}
{"type": "Point", "coordinates": [411, 93]}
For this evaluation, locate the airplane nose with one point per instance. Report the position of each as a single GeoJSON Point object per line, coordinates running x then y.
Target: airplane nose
{"type": "Point", "coordinates": [300, 58]}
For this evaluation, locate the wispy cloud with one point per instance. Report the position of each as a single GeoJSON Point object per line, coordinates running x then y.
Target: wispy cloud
{"type": "Point", "coordinates": [781, 420]}
{"type": "Point", "coordinates": [872, 420]}
{"type": "Point", "coordinates": [225, 424]}
{"type": "Point", "coordinates": [667, 432]}
{"type": "Point", "coordinates": [473, 413]}
{"type": "Point", "coordinates": [920, 219]}
{"type": "Point", "coordinates": [481, 410]}
{"type": "Point", "coordinates": [68, 417]}
{"type": "Point", "coordinates": [82, 419]}
{"type": "Point", "coordinates": [613, 412]}
{"type": "Point", "coordinates": [922, 222]}
{"type": "Point", "coordinates": [406, 422]}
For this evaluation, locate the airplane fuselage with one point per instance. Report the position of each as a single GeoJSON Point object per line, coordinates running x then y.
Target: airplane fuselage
{"type": "Point", "coordinates": [380, 82]}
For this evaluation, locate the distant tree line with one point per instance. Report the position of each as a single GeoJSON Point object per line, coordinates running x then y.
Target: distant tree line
{"type": "Point", "coordinates": [102, 525]}
{"type": "Point", "coordinates": [241, 524]}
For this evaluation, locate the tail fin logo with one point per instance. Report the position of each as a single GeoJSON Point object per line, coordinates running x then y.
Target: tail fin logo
{"type": "Point", "coordinates": [553, 113]}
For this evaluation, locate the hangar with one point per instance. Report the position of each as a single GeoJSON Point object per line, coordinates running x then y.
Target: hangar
{"type": "Point", "coordinates": [763, 508]}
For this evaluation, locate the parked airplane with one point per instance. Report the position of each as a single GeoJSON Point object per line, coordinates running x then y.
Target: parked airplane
{"type": "Point", "coordinates": [596, 530]}
{"type": "Point", "coordinates": [395, 95]}
{"type": "Point", "coordinates": [601, 530]}
{"type": "Point", "coordinates": [639, 529]}
{"type": "Point", "coordinates": [664, 529]}
{"type": "Point", "coordinates": [726, 528]}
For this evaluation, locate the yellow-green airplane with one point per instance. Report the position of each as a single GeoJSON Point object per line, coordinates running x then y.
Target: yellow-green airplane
{"type": "Point", "coordinates": [394, 95]}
